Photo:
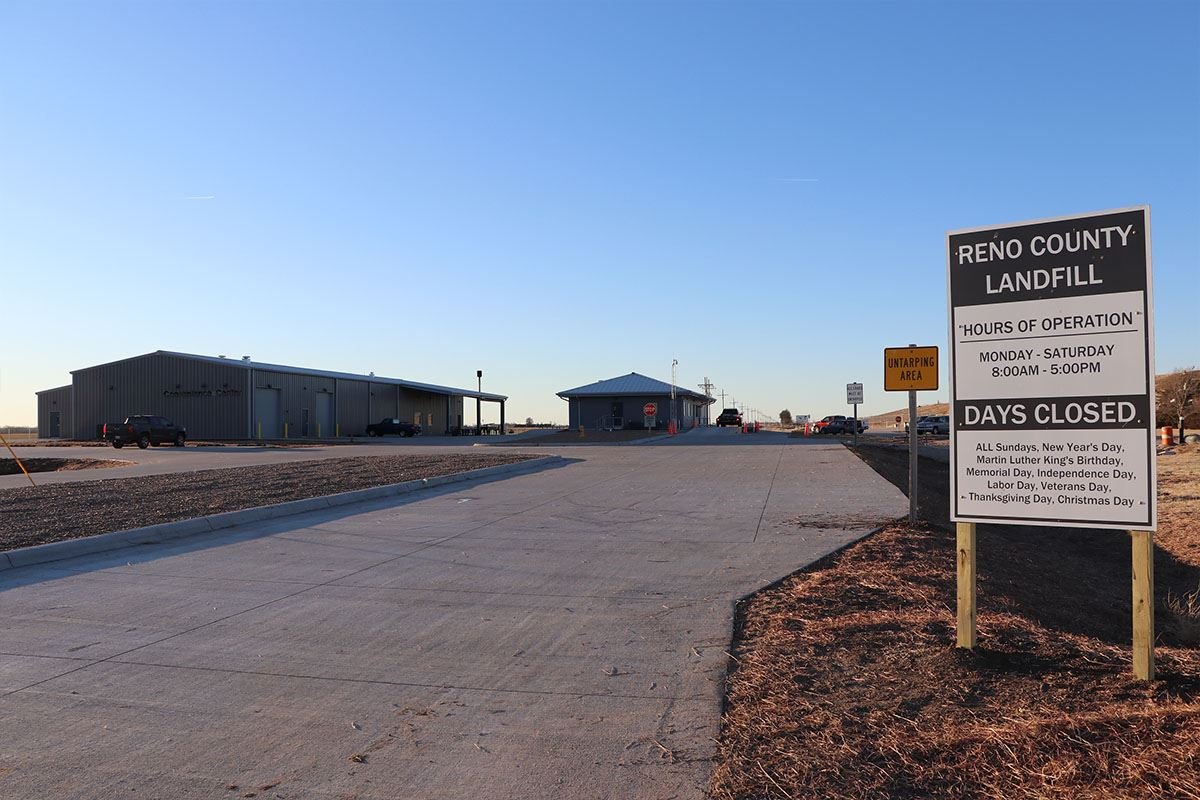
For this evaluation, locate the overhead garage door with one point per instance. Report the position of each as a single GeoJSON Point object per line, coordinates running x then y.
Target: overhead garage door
{"type": "Point", "coordinates": [267, 412]}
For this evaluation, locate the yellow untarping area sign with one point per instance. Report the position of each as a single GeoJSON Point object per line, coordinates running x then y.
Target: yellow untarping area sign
{"type": "Point", "coordinates": [907, 369]}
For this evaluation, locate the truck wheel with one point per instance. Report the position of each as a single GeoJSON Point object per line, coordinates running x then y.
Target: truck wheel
{"type": "Point", "coordinates": [118, 444]}
{"type": "Point", "coordinates": [180, 439]}
{"type": "Point", "coordinates": [144, 441]}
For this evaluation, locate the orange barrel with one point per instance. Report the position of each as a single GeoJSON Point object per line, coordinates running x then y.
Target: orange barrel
{"type": "Point", "coordinates": [1168, 436]}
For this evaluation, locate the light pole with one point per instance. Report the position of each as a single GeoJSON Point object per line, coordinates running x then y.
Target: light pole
{"type": "Point", "coordinates": [674, 418]}
{"type": "Point", "coordinates": [479, 404]}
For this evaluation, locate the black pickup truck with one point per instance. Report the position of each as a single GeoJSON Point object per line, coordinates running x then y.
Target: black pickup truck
{"type": "Point", "coordinates": [393, 425]}
{"type": "Point", "coordinates": [729, 416]}
{"type": "Point", "coordinates": [145, 430]}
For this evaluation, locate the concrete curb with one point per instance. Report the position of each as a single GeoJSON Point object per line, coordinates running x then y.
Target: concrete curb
{"type": "Point", "coordinates": [583, 443]}
{"type": "Point", "coordinates": [168, 531]}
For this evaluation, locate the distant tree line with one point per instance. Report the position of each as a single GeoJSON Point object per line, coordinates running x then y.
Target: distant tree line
{"type": "Point", "coordinates": [1178, 401]}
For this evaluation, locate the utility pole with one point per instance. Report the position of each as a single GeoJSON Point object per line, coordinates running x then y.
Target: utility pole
{"type": "Point", "coordinates": [674, 419]}
{"type": "Point", "coordinates": [707, 386]}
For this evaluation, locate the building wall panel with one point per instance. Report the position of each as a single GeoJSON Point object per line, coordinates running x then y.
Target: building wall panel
{"type": "Point", "coordinates": [429, 410]}
{"type": "Point", "coordinates": [55, 400]}
{"type": "Point", "coordinates": [351, 403]}
{"type": "Point", "coordinates": [208, 399]}
{"type": "Point", "coordinates": [594, 412]}
{"type": "Point", "coordinates": [297, 395]}
{"type": "Point", "coordinates": [385, 401]}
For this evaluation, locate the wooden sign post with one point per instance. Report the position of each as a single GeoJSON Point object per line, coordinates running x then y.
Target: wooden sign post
{"type": "Point", "coordinates": [966, 584]}
{"type": "Point", "coordinates": [1143, 604]}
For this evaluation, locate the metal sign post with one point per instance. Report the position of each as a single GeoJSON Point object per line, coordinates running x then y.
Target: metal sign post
{"type": "Point", "coordinates": [1052, 388]}
{"type": "Point", "coordinates": [854, 396]}
{"type": "Point", "coordinates": [650, 412]}
{"type": "Point", "coordinates": [912, 458]}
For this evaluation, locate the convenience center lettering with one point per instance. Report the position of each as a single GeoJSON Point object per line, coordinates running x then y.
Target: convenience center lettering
{"type": "Point", "coordinates": [1051, 365]}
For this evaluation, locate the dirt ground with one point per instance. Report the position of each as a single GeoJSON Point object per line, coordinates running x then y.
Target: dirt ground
{"type": "Point", "coordinates": [34, 465]}
{"type": "Point", "coordinates": [845, 682]}
{"type": "Point", "coordinates": [885, 420]}
{"type": "Point", "coordinates": [37, 515]}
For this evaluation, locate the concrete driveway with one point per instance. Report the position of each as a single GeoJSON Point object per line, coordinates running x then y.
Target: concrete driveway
{"type": "Point", "coordinates": [560, 634]}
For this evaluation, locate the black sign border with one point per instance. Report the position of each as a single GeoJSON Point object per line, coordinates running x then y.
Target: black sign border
{"type": "Point", "coordinates": [1151, 523]}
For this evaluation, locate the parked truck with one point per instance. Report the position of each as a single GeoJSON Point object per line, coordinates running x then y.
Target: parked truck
{"type": "Point", "coordinates": [399, 427]}
{"type": "Point", "coordinates": [144, 430]}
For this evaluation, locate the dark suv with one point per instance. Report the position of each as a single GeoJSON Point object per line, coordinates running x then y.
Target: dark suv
{"type": "Point", "coordinates": [843, 424]}
{"type": "Point", "coordinates": [729, 416]}
{"type": "Point", "coordinates": [394, 426]}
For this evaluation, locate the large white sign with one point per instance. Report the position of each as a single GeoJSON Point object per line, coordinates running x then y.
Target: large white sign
{"type": "Point", "coordinates": [854, 394]}
{"type": "Point", "coordinates": [1052, 372]}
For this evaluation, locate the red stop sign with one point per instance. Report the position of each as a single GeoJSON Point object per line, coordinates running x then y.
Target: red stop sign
{"type": "Point", "coordinates": [650, 409]}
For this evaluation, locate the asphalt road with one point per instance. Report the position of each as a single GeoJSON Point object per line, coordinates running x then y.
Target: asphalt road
{"type": "Point", "coordinates": [559, 634]}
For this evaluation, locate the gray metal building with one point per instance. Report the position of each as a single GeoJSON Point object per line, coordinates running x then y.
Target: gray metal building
{"type": "Point", "coordinates": [229, 398]}
{"type": "Point", "coordinates": [618, 403]}
{"type": "Point", "coordinates": [54, 413]}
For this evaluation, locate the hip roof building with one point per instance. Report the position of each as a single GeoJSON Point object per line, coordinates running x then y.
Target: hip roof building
{"type": "Point", "coordinates": [620, 403]}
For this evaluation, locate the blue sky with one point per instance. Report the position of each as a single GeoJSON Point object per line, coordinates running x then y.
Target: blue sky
{"type": "Point", "coordinates": [561, 192]}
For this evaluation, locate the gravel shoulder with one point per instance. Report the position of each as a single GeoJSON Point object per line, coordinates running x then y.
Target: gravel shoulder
{"type": "Point", "coordinates": [43, 514]}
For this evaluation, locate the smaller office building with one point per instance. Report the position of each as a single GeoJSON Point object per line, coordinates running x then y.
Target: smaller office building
{"type": "Point", "coordinates": [618, 403]}
{"type": "Point", "coordinates": [229, 398]}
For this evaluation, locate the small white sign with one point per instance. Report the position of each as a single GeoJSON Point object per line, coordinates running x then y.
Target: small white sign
{"type": "Point", "coordinates": [854, 394]}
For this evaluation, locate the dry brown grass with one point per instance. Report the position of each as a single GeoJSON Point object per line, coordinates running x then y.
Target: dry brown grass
{"type": "Point", "coordinates": [887, 419]}
{"type": "Point", "coordinates": [846, 683]}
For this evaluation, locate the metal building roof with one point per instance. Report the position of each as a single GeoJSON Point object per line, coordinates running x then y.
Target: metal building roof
{"type": "Point", "coordinates": [631, 384]}
{"type": "Point", "coordinates": [238, 362]}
